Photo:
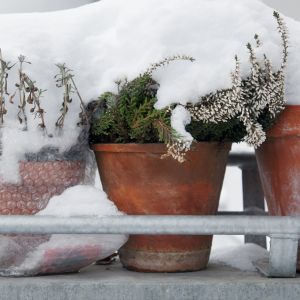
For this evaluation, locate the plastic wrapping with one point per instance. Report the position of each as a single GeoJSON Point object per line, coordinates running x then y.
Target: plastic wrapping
{"type": "Point", "coordinates": [54, 254]}
{"type": "Point", "coordinates": [43, 175]}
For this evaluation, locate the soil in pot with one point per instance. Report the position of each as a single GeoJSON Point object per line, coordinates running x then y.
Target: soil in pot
{"type": "Point", "coordinates": [279, 165]}
{"type": "Point", "coordinates": [141, 183]}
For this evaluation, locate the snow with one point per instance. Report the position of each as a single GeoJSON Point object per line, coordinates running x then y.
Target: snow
{"type": "Point", "coordinates": [14, 6]}
{"type": "Point", "coordinates": [113, 39]}
{"type": "Point", "coordinates": [179, 119]}
{"type": "Point", "coordinates": [242, 148]}
{"type": "Point", "coordinates": [239, 257]}
{"type": "Point", "coordinates": [80, 200]}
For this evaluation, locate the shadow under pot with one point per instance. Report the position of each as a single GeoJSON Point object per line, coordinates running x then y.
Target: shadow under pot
{"type": "Point", "coordinates": [139, 182]}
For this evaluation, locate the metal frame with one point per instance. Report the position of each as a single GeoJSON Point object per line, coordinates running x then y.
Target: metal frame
{"type": "Point", "coordinates": [253, 196]}
{"type": "Point", "coordinates": [283, 231]}
{"type": "Point", "coordinates": [252, 222]}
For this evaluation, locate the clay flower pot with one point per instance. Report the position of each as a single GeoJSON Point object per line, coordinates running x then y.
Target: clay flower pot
{"type": "Point", "coordinates": [141, 183]}
{"type": "Point", "coordinates": [279, 165]}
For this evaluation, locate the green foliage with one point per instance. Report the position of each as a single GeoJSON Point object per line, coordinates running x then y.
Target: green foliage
{"type": "Point", "coordinates": [130, 116]}
{"type": "Point", "coordinates": [230, 131]}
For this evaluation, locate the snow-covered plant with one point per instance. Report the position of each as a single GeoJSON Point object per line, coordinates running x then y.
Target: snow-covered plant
{"type": "Point", "coordinates": [130, 117]}
{"type": "Point", "coordinates": [252, 103]}
{"type": "Point", "coordinates": [29, 96]}
{"type": "Point", "coordinates": [240, 113]}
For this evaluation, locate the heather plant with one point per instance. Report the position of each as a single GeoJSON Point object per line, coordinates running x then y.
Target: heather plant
{"type": "Point", "coordinates": [240, 113]}
{"type": "Point", "coordinates": [252, 103]}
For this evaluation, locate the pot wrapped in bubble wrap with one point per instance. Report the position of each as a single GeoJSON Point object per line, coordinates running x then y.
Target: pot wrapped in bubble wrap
{"type": "Point", "coordinates": [29, 255]}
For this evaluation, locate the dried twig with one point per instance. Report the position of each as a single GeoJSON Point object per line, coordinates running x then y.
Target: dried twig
{"type": "Point", "coordinates": [65, 79]}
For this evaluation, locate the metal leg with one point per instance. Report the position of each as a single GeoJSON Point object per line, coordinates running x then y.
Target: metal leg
{"type": "Point", "coordinates": [282, 259]}
{"type": "Point", "coordinates": [253, 199]}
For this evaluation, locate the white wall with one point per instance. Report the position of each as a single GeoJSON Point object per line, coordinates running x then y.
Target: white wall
{"type": "Point", "coordinates": [290, 8]}
{"type": "Point", "coordinates": [15, 6]}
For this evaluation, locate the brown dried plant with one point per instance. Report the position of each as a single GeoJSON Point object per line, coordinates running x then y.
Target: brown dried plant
{"type": "Point", "coordinates": [29, 94]}
{"type": "Point", "coordinates": [65, 80]}
{"type": "Point", "coordinates": [4, 69]}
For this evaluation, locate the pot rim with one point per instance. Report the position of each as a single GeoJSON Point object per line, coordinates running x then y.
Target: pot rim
{"type": "Point", "coordinates": [287, 125]}
{"type": "Point", "coordinates": [291, 106]}
{"type": "Point", "coordinates": [152, 147]}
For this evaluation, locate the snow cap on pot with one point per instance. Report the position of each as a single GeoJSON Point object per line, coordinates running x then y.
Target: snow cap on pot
{"type": "Point", "coordinates": [240, 113]}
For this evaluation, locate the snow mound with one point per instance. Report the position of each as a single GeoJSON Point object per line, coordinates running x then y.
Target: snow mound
{"type": "Point", "coordinates": [113, 39]}
{"type": "Point", "coordinates": [239, 257]}
{"type": "Point", "coordinates": [80, 200]}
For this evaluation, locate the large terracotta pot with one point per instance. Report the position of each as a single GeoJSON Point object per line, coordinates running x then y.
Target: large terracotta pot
{"type": "Point", "coordinates": [279, 165]}
{"type": "Point", "coordinates": [141, 183]}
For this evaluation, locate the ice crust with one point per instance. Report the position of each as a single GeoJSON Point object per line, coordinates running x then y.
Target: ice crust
{"type": "Point", "coordinates": [113, 39]}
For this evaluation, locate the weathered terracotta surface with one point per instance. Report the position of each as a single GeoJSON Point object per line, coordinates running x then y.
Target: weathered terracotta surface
{"type": "Point", "coordinates": [39, 182]}
{"type": "Point", "coordinates": [279, 165]}
{"type": "Point", "coordinates": [140, 182]}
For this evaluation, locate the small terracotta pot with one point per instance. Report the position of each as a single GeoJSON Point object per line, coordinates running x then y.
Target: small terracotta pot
{"type": "Point", "coordinates": [279, 165]}
{"type": "Point", "coordinates": [141, 183]}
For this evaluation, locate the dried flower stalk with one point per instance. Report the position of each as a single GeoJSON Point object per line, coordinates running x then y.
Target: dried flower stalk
{"type": "Point", "coordinates": [4, 68]}
{"type": "Point", "coordinates": [65, 79]}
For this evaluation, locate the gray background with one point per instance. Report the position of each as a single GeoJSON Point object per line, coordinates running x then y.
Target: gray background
{"type": "Point", "coordinates": [288, 7]}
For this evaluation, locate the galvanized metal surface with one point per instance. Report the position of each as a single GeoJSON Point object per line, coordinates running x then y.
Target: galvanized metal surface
{"type": "Point", "coordinates": [282, 258]}
{"type": "Point", "coordinates": [253, 196]}
{"type": "Point", "coordinates": [188, 225]}
{"type": "Point", "coordinates": [284, 231]}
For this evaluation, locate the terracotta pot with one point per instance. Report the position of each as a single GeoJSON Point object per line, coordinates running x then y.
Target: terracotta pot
{"type": "Point", "coordinates": [279, 165]}
{"type": "Point", "coordinates": [141, 183]}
